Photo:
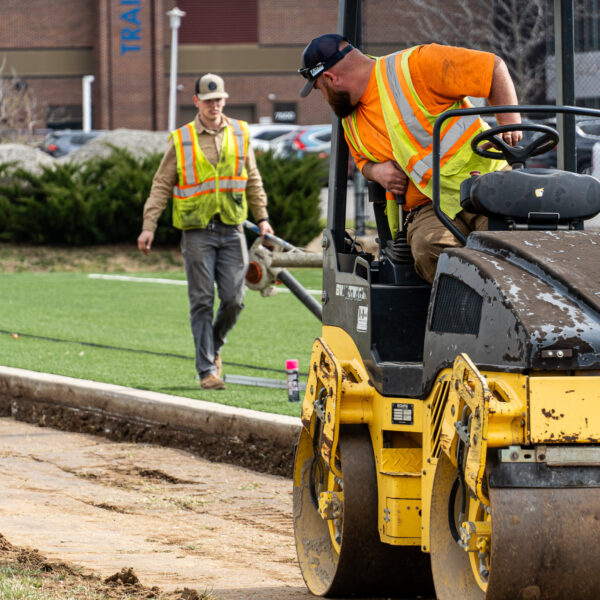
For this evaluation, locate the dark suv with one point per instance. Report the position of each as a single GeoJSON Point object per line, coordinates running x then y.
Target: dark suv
{"type": "Point", "coordinates": [61, 142]}
{"type": "Point", "coordinates": [587, 133]}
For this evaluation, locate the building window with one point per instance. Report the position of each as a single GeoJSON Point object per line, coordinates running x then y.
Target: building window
{"type": "Point", "coordinates": [67, 116]}
{"type": "Point", "coordinates": [219, 22]}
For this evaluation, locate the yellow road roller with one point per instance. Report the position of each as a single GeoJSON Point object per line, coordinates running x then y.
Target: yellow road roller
{"type": "Point", "coordinates": [451, 432]}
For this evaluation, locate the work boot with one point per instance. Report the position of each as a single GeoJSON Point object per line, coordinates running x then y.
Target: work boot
{"type": "Point", "coordinates": [218, 364]}
{"type": "Point", "coordinates": [212, 382]}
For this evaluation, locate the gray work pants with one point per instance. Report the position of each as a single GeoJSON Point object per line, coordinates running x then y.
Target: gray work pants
{"type": "Point", "coordinates": [217, 253]}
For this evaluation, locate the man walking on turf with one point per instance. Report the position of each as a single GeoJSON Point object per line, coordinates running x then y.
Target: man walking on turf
{"type": "Point", "coordinates": [210, 172]}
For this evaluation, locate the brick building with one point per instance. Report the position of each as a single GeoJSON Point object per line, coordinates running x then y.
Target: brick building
{"type": "Point", "coordinates": [254, 44]}
{"type": "Point", "coordinates": [125, 44]}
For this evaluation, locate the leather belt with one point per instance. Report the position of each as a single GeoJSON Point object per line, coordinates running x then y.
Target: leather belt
{"type": "Point", "coordinates": [412, 213]}
{"type": "Point", "coordinates": [216, 220]}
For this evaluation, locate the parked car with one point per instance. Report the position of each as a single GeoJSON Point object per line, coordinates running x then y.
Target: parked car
{"type": "Point", "coordinates": [61, 142]}
{"type": "Point", "coordinates": [587, 133]}
{"type": "Point", "coordinates": [312, 139]}
{"type": "Point", "coordinates": [264, 136]}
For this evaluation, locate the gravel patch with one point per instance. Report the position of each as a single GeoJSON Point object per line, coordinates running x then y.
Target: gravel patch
{"type": "Point", "coordinates": [30, 159]}
{"type": "Point", "coordinates": [139, 143]}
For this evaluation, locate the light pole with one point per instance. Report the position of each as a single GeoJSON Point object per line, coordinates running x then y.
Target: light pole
{"type": "Point", "coordinates": [86, 84]}
{"type": "Point", "coordinates": [174, 21]}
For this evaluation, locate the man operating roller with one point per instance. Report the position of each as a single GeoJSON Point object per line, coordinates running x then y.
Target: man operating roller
{"type": "Point", "coordinates": [388, 107]}
{"type": "Point", "coordinates": [209, 170]}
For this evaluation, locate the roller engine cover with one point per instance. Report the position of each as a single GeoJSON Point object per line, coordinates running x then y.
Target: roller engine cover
{"type": "Point", "coordinates": [517, 301]}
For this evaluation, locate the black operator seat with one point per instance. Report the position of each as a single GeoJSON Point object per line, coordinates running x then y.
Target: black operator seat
{"type": "Point", "coordinates": [532, 198]}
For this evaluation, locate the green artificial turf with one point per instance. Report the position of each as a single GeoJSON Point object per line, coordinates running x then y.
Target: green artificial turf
{"type": "Point", "coordinates": [138, 335]}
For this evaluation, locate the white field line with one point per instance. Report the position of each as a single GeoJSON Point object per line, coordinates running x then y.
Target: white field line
{"type": "Point", "coordinates": [138, 279]}
{"type": "Point", "coordinates": [163, 281]}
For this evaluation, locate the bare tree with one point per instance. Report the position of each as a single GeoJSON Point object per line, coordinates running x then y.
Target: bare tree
{"type": "Point", "coordinates": [519, 37]}
{"type": "Point", "coordinates": [18, 108]}
{"type": "Point", "coordinates": [515, 30]}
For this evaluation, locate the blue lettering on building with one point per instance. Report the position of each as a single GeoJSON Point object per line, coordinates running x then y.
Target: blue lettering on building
{"type": "Point", "coordinates": [131, 37]}
{"type": "Point", "coordinates": [132, 16]}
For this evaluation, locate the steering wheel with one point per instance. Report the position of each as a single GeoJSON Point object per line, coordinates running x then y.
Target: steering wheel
{"type": "Point", "coordinates": [515, 155]}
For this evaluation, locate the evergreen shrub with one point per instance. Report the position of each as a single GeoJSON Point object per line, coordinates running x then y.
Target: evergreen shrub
{"type": "Point", "coordinates": [101, 201]}
{"type": "Point", "coordinates": [293, 186]}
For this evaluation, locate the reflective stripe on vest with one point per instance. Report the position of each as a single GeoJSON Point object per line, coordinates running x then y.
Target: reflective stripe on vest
{"type": "Point", "coordinates": [226, 184]}
{"type": "Point", "coordinates": [392, 210]}
{"type": "Point", "coordinates": [241, 146]}
{"type": "Point", "coordinates": [186, 147]}
{"type": "Point", "coordinates": [188, 185]}
{"type": "Point", "coordinates": [451, 134]}
{"type": "Point", "coordinates": [351, 129]}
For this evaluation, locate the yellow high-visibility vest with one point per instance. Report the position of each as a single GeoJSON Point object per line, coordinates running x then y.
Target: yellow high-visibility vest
{"type": "Point", "coordinates": [204, 190]}
{"type": "Point", "coordinates": [392, 211]}
{"type": "Point", "coordinates": [410, 128]}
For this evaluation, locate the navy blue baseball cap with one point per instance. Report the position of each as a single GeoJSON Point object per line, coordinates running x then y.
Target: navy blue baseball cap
{"type": "Point", "coordinates": [321, 54]}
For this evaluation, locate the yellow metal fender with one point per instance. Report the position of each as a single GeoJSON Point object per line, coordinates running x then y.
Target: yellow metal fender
{"type": "Point", "coordinates": [337, 391]}
{"type": "Point", "coordinates": [484, 411]}
{"type": "Point", "coordinates": [564, 409]}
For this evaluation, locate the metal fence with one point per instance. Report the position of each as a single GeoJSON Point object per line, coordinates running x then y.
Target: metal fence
{"type": "Point", "coordinates": [587, 53]}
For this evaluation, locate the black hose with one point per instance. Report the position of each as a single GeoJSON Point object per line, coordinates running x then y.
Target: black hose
{"type": "Point", "coordinates": [300, 292]}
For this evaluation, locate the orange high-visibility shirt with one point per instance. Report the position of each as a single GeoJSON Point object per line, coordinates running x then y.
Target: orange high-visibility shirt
{"type": "Point", "coordinates": [441, 75]}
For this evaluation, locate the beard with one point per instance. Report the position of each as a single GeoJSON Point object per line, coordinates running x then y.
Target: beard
{"type": "Point", "coordinates": [340, 103]}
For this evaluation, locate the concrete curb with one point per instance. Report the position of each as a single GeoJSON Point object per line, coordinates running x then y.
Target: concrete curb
{"type": "Point", "coordinates": [150, 407]}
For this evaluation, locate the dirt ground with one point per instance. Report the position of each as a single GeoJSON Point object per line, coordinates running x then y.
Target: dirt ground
{"type": "Point", "coordinates": [257, 454]}
{"type": "Point", "coordinates": [179, 521]}
{"type": "Point", "coordinates": [139, 511]}
{"type": "Point", "coordinates": [188, 527]}
{"type": "Point", "coordinates": [119, 258]}
{"type": "Point", "coordinates": [138, 520]}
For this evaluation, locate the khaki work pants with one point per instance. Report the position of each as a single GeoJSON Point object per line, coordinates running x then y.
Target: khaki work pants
{"type": "Point", "coordinates": [428, 236]}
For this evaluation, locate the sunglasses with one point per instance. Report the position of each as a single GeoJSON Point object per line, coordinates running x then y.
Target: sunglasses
{"type": "Point", "coordinates": [311, 73]}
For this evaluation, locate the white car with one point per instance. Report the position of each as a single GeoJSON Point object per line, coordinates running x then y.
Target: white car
{"type": "Point", "coordinates": [263, 136]}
